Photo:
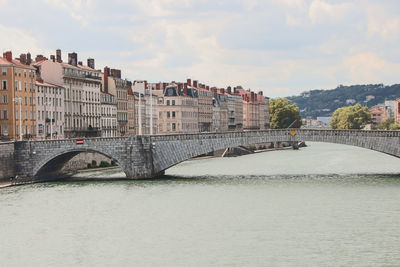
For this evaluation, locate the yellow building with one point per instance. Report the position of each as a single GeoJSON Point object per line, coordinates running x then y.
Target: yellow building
{"type": "Point", "coordinates": [17, 97]}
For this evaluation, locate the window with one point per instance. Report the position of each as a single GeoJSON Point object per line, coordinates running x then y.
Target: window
{"type": "Point", "coordinates": [4, 71]}
{"type": "Point", "coordinates": [25, 86]}
{"type": "Point", "coordinates": [167, 102]}
{"type": "Point", "coordinates": [4, 85]}
{"type": "Point", "coordinates": [168, 114]}
{"type": "Point", "coordinates": [173, 114]}
{"type": "Point", "coordinates": [5, 114]}
{"type": "Point", "coordinates": [173, 102]}
{"type": "Point", "coordinates": [173, 126]}
{"type": "Point", "coordinates": [5, 131]}
{"type": "Point", "coordinates": [4, 99]}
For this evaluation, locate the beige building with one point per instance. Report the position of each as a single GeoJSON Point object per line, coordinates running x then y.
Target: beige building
{"type": "Point", "coordinates": [17, 97]}
{"type": "Point", "coordinates": [178, 110]}
{"type": "Point", "coordinates": [131, 113]}
{"type": "Point", "coordinates": [146, 107]}
{"type": "Point", "coordinates": [205, 104]}
{"type": "Point", "coordinates": [235, 111]}
{"type": "Point", "coordinates": [220, 111]}
{"type": "Point", "coordinates": [115, 85]}
{"type": "Point", "coordinates": [82, 92]}
{"type": "Point", "coordinates": [108, 115]}
{"type": "Point", "coordinates": [397, 111]}
{"type": "Point", "coordinates": [378, 114]}
{"type": "Point", "coordinates": [50, 110]}
{"type": "Point", "coordinates": [263, 103]}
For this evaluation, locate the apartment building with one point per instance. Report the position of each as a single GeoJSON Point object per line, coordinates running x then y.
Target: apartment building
{"type": "Point", "coordinates": [178, 110]}
{"type": "Point", "coordinates": [235, 110]}
{"type": "Point", "coordinates": [378, 114]}
{"type": "Point", "coordinates": [263, 104]}
{"type": "Point", "coordinates": [146, 107]}
{"type": "Point", "coordinates": [220, 110]}
{"type": "Point", "coordinates": [205, 104]}
{"type": "Point", "coordinates": [131, 112]}
{"type": "Point", "coordinates": [17, 97]}
{"type": "Point", "coordinates": [397, 111]}
{"type": "Point", "coordinates": [82, 92]}
{"type": "Point", "coordinates": [50, 110]}
{"type": "Point", "coordinates": [115, 85]}
{"type": "Point", "coordinates": [108, 106]}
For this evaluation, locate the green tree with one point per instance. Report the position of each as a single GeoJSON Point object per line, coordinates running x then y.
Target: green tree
{"type": "Point", "coordinates": [351, 117]}
{"type": "Point", "coordinates": [388, 124]}
{"type": "Point", "coordinates": [283, 114]}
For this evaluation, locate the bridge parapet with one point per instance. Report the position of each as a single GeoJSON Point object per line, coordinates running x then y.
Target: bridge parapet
{"type": "Point", "coordinates": [147, 156]}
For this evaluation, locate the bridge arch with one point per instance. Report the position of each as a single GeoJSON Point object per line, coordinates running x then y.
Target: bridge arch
{"type": "Point", "coordinates": [53, 163]}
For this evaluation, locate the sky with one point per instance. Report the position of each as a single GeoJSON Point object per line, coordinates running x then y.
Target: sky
{"type": "Point", "coordinates": [280, 47]}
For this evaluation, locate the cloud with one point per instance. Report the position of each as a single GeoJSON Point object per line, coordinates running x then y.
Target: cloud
{"type": "Point", "coordinates": [321, 11]}
{"type": "Point", "coordinates": [79, 10]}
{"type": "Point", "coordinates": [369, 68]}
{"type": "Point", "coordinates": [19, 41]}
{"type": "Point", "coordinates": [382, 24]}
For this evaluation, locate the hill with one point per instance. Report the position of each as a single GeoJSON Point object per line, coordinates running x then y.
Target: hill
{"type": "Point", "coordinates": [320, 103]}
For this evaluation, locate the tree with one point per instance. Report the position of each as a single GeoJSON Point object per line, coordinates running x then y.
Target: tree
{"type": "Point", "coordinates": [388, 124]}
{"type": "Point", "coordinates": [351, 117]}
{"type": "Point", "coordinates": [283, 114]}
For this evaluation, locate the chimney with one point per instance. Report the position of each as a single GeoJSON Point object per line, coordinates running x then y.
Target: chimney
{"type": "Point", "coordinates": [252, 96]}
{"type": "Point", "coordinates": [22, 59]}
{"type": "Point", "coordinates": [80, 63]}
{"type": "Point", "coordinates": [106, 74]}
{"type": "Point", "coordinates": [261, 93]}
{"type": "Point", "coordinates": [58, 55]}
{"type": "Point", "coordinates": [195, 84]}
{"type": "Point", "coordinates": [8, 55]}
{"type": "Point", "coordinates": [189, 82]}
{"type": "Point", "coordinates": [115, 73]}
{"type": "Point", "coordinates": [229, 90]}
{"type": "Point", "coordinates": [28, 59]}
{"type": "Point", "coordinates": [90, 63]}
{"type": "Point", "coordinates": [208, 88]}
{"type": "Point", "coordinates": [73, 59]}
{"type": "Point", "coordinates": [185, 89]}
{"type": "Point", "coordinates": [39, 58]}
{"type": "Point", "coordinates": [53, 58]}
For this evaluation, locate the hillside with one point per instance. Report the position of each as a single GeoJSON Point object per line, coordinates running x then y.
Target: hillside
{"type": "Point", "coordinates": [316, 103]}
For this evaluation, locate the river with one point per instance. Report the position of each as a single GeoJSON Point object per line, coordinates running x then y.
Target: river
{"type": "Point", "coordinates": [323, 205]}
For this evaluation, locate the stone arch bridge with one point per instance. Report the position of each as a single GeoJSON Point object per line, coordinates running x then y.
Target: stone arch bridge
{"type": "Point", "coordinates": [148, 156]}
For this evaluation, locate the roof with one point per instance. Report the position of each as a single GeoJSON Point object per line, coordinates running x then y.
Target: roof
{"type": "Point", "coordinates": [45, 84]}
{"type": "Point", "coordinates": [16, 63]}
{"type": "Point", "coordinates": [39, 62]}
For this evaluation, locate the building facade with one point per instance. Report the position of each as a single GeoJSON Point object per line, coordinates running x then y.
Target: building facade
{"type": "Point", "coordinates": [50, 111]}
{"type": "Point", "coordinates": [378, 115]}
{"type": "Point", "coordinates": [17, 97]}
{"type": "Point", "coordinates": [82, 93]}
{"type": "Point", "coordinates": [108, 106]}
{"type": "Point", "coordinates": [178, 110]}
{"type": "Point", "coordinates": [115, 85]}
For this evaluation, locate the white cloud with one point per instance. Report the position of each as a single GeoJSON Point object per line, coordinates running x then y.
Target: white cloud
{"type": "Point", "coordinates": [19, 41]}
{"type": "Point", "coordinates": [382, 24]}
{"type": "Point", "coordinates": [369, 68]}
{"type": "Point", "coordinates": [321, 11]}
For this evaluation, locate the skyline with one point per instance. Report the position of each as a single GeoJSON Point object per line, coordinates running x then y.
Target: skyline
{"type": "Point", "coordinates": [280, 47]}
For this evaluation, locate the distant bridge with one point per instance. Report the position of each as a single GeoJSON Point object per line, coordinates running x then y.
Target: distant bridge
{"type": "Point", "coordinates": [149, 156]}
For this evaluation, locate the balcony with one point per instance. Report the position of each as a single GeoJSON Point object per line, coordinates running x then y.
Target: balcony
{"type": "Point", "coordinates": [88, 76]}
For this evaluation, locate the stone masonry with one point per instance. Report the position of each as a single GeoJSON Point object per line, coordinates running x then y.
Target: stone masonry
{"type": "Point", "coordinates": [149, 156]}
{"type": "Point", "coordinates": [6, 161]}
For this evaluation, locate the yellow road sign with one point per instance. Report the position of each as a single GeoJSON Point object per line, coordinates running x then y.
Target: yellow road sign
{"type": "Point", "coordinates": [293, 132]}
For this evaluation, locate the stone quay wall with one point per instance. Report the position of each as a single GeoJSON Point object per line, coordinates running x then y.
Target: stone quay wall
{"type": "Point", "coordinates": [6, 161]}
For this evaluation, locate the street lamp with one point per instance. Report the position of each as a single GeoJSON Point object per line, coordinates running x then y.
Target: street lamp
{"type": "Point", "coordinates": [16, 99]}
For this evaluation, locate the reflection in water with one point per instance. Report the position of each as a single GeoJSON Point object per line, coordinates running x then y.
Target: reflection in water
{"type": "Point", "coordinates": [318, 206]}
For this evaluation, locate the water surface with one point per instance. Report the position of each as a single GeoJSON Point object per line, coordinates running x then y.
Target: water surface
{"type": "Point", "coordinates": [325, 205]}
